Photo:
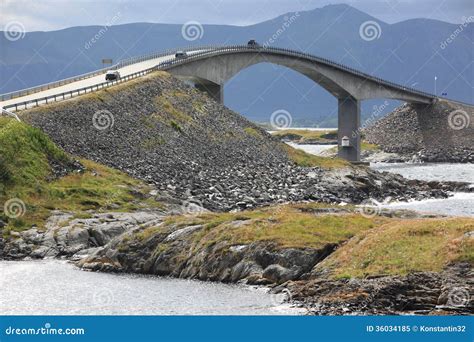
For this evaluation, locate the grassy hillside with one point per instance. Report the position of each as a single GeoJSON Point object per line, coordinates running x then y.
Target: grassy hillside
{"type": "Point", "coordinates": [303, 136]}
{"type": "Point", "coordinates": [25, 154]}
{"type": "Point", "coordinates": [401, 247]}
{"type": "Point", "coordinates": [38, 176]}
{"type": "Point", "coordinates": [302, 158]}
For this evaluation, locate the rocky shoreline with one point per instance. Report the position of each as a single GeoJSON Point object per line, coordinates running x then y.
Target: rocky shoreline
{"type": "Point", "coordinates": [420, 293]}
{"type": "Point", "coordinates": [142, 242]}
{"type": "Point", "coordinates": [65, 236]}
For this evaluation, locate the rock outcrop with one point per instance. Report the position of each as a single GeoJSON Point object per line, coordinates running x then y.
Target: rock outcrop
{"type": "Point", "coordinates": [74, 238]}
{"type": "Point", "coordinates": [257, 263]}
{"type": "Point", "coordinates": [441, 132]}
{"type": "Point", "coordinates": [142, 242]}
{"type": "Point", "coordinates": [447, 292]}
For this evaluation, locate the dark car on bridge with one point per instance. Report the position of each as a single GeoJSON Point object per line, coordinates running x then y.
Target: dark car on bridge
{"type": "Point", "coordinates": [181, 54]}
{"type": "Point", "coordinates": [112, 75]}
{"type": "Point", "coordinates": [252, 43]}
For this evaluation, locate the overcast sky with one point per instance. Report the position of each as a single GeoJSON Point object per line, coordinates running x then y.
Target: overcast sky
{"type": "Point", "coordinates": [48, 15]}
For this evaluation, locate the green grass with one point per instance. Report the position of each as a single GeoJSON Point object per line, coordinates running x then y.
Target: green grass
{"type": "Point", "coordinates": [365, 146]}
{"type": "Point", "coordinates": [404, 246]}
{"type": "Point", "coordinates": [152, 143]}
{"type": "Point", "coordinates": [179, 94]}
{"type": "Point", "coordinates": [303, 136]}
{"type": "Point", "coordinates": [24, 155]}
{"type": "Point", "coordinates": [168, 109]}
{"type": "Point", "coordinates": [26, 175]}
{"type": "Point", "coordinates": [286, 225]}
{"type": "Point", "coordinates": [176, 126]}
{"type": "Point", "coordinates": [301, 158]}
{"type": "Point", "coordinates": [253, 132]}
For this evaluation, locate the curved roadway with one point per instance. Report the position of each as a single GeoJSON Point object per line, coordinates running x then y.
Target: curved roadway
{"type": "Point", "coordinates": [94, 80]}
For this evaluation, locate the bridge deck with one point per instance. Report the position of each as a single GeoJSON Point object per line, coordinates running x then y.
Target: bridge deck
{"type": "Point", "coordinates": [124, 71]}
{"type": "Point", "coordinates": [139, 64]}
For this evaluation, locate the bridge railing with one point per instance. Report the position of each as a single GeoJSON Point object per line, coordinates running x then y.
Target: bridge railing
{"type": "Point", "coordinates": [283, 51]}
{"type": "Point", "coordinates": [55, 84]}
{"type": "Point", "coordinates": [73, 93]}
{"type": "Point", "coordinates": [76, 92]}
{"type": "Point", "coordinates": [203, 52]}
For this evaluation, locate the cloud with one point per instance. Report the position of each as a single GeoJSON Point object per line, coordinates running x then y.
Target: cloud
{"type": "Point", "coordinates": [58, 14]}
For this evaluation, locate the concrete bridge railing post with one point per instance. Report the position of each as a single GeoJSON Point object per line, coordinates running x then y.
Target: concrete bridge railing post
{"type": "Point", "coordinates": [348, 129]}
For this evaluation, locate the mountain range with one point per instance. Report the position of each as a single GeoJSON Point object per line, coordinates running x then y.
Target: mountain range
{"type": "Point", "coordinates": [411, 53]}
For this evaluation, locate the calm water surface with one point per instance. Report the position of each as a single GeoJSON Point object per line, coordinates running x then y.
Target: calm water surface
{"type": "Point", "coordinates": [313, 149]}
{"type": "Point", "coordinates": [52, 287]}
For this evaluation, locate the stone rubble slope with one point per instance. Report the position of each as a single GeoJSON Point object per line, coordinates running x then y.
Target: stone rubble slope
{"type": "Point", "coordinates": [442, 132]}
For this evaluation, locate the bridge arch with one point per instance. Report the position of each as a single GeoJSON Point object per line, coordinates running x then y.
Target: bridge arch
{"type": "Point", "coordinates": [211, 69]}
{"type": "Point", "coordinates": [219, 69]}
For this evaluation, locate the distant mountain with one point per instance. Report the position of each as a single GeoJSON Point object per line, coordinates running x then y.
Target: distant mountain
{"type": "Point", "coordinates": [412, 53]}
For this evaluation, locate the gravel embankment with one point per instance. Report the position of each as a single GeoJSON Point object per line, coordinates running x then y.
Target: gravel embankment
{"type": "Point", "coordinates": [442, 132]}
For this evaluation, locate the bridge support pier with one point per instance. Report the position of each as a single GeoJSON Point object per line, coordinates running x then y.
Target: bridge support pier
{"type": "Point", "coordinates": [348, 127]}
{"type": "Point", "coordinates": [215, 91]}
